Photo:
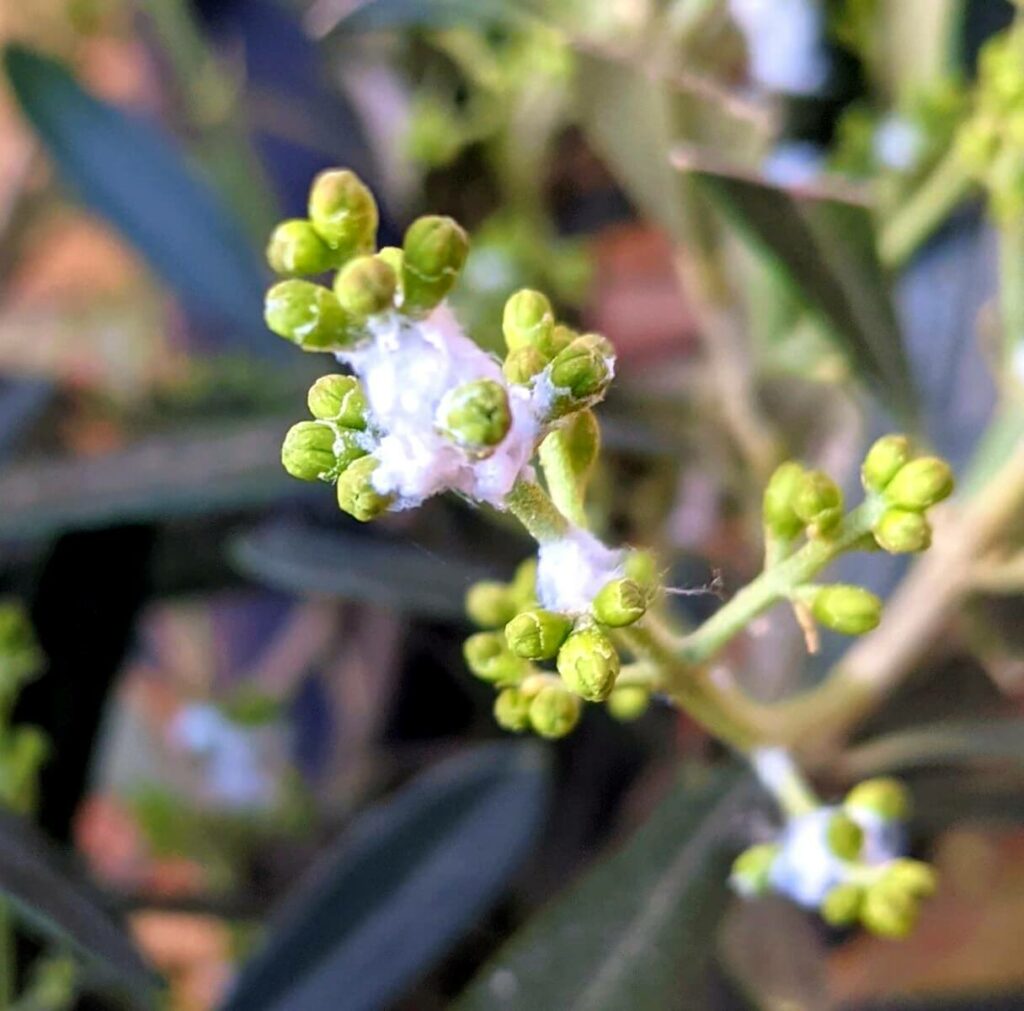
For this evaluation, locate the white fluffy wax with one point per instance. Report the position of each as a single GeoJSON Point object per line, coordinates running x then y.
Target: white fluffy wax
{"type": "Point", "coordinates": [571, 571]}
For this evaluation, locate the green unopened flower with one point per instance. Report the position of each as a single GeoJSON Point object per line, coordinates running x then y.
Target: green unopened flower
{"type": "Point", "coordinates": [295, 247]}
{"type": "Point", "coordinates": [884, 460]}
{"type": "Point", "coordinates": [521, 365]}
{"type": "Point", "coordinates": [366, 286]}
{"type": "Point", "coordinates": [913, 876]}
{"type": "Point", "coordinates": [490, 604]}
{"type": "Point", "coordinates": [889, 911]}
{"type": "Point", "coordinates": [818, 502]}
{"type": "Point", "coordinates": [900, 531]}
{"type": "Point", "coordinates": [851, 610]}
{"type": "Point", "coordinates": [487, 655]}
{"type": "Point", "coordinates": [356, 493]}
{"type": "Point", "coordinates": [524, 584]}
{"type": "Point", "coordinates": [339, 399]}
{"type": "Point", "coordinates": [589, 664]}
{"type": "Point", "coordinates": [920, 484]}
{"type": "Point", "coordinates": [594, 342]}
{"type": "Point", "coordinates": [435, 250]}
{"type": "Point", "coordinates": [580, 374]}
{"type": "Point", "coordinates": [778, 509]}
{"type": "Point", "coordinates": [308, 451]}
{"type": "Point", "coordinates": [642, 567]}
{"type": "Point", "coordinates": [628, 703]}
{"type": "Point", "coordinates": [394, 258]}
{"type": "Point", "coordinates": [581, 436]}
{"type": "Point", "coordinates": [844, 836]}
{"type": "Point", "coordinates": [528, 321]}
{"type": "Point", "coordinates": [512, 710]}
{"type": "Point", "coordinates": [554, 712]}
{"type": "Point", "coordinates": [620, 602]}
{"type": "Point", "coordinates": [537, 634]}
{"type": "Point", "coordinates": [842, 906]}
{"type": "Point", "coordinates": [343, 212]}
{"type": "Point", "coordinates": [475, 415]}
{"type": "Point", "coordinates": [883, 798]}
{"type": "Point", "coordinates": [310, 316]}
{"type": "Point", "coordinates": [752, 869]}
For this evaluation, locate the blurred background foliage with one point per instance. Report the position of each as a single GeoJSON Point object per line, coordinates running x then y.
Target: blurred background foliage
{"type": "Point", "coordinates": [269, 782]}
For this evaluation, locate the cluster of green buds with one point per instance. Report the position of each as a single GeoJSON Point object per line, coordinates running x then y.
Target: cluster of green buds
{"type": "Point", "coordinates": [991, 141]}
{"type": "Point", "coordinates": [900, 487]}
{"type": "Point", "coordinates": [845, 862]}
{"type": "Point", "coordinates": [520, 636]}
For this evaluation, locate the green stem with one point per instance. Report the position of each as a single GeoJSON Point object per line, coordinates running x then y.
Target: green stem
{"type": "Point", "coordinates": [7, 964]}
{"type": "Point", "coordinates": [530, 504]}
{"type": "Point", "coordinates": [564, 484]}
{"type": "Point", "coordinates": [1011, 287]}
{"type": "Point", "coordinates": [781, 776]}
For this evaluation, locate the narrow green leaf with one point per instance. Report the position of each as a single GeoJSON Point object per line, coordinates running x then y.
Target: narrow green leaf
{"type": "Point", "coordinates": [60, 909]}
{"type": "Point", "coordinates": [403, 884]}
{"type": "Point", "coordinates": [128, 172]}
{"type": "Point", "coordinates": [636, 930]}
{"type": "Point", "coordinates": [396, 15]}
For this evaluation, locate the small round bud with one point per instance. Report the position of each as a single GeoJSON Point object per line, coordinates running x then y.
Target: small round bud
{"type": "Point", "coordinates": [818, 502]}
{"type": "Point", "coordinates": [920, 484]}
{"type": "Point", "coordinates": [589, 664]}
{"type": "Point", "coordinates": [628, 703]}
{"type": "Point", "coordinates": [521, 365]}
{"type": "Point", "coordinates": [512, 710]}
{"type": "Point", "coordinates": [490, 604]}
{"type": "Point", "coordinates": [487, 655]}
{"type": "Point", "coordinates": [844, 836]}
{"type": "Point", "coordinates": [308, 315]}
{"type": "Point", "coordinates": [752, 869]}
{"type": "Point", "coordinates": [524, 584]}
{"type": "Point", "coordinates": [528, 320]}
{"type": "Point", "coordinates": [851, 610]}
{"type": "Point", "coordinates": [296, 248]}
{"type": "Point", "coordinates": [562, 336]}
{"type": "Point", "coordinates": [913, 876]}
{"type": "Point", "coordinates": [642, 567]}
{"type": "Point", "coordinates": [365, 286]}
{"type": "Point", "coordinates": [900, 531]}
{"type": "Point", "coordinates": [889, 911]}
{"type": "Point", "coordinates": [884, 459]}
{"type": "Point", "coordinates": [393, 257]}
{"type": "Point", "coordinates": [533, 684]}
{"type": "Point", "coordinates": [842, 906]}
{"type": "Point", "coordinates": [581, 435]}
{"type": "Point", "coordinates": [339, 399]}
{"type": "Point", "coordinates": [620, 603]}
{"type": "Point", "coordinates": [554, 712]}
{"type": "Point", "coordinates": [780, 517]}
{"type": "Point", "coordinates": [343, 212]}
{"type": "Point", "coordinates": [537, 634]}
{"type": "Point", "coordinates": [308, 451]}
{"type": "Point", "coordinates": [580, 375]}
{"type": "Point", "coordinates": [435, 249]}
{"type": "Point", "coordinates": [595, 342]}
{"type": "Point", "coordinates": [356, 494]}
{"type": "Point", "coordinates": [475, 415]}
{"type": "Point", "coordinates": [882, 798]}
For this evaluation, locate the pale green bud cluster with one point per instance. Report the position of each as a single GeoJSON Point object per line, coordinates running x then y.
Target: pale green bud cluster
{"type": "Point", "coordinates": [849, 610]}
{"type": "Point", "coordinates": [476, 416]}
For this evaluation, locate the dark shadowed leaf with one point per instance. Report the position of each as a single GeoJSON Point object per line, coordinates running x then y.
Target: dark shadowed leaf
{"type": "Point", "coordinates": [128, 172]}
{"type": "Point", "coordinates": [636, 930]}
{"type": "Point", "coordinates": [55, 906]}
{"type": "Point", "coordinates": [361, 565]}
{"type": "Point", "coordinates": [403, 884]}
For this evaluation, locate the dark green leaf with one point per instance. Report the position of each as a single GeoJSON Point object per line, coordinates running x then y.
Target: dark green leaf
{"type": "Point", "coordinates": [392, 15]}
{"type": "Point", "coordinates": [636, 930]}
{"type": "Point", "coordinates": [406, 881]}
{"type": "Point", "coordinates": [54, 905]}
{"type": "Point", "coordinates": [357, 565]}
{"type": "Point", "coordinates": [129, 173]}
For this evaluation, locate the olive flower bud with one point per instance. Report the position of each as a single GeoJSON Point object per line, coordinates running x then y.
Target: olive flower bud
{"type": "Point", "coordinates": [589, 664]}
{"type": "Point", "coordinates": [752, 869]}
{"type": "Point", "coordinates": [920, 484]}
{"type": "Point", "coordinates": [434, 251]}
{"type": "Point", "coordinates": [475, 415]}
{"type": "Point", "coordinates": [581, 436]}
{"type": "Point", "coordinates": [339, 399]}
{"type": "Point", "coordinates": [487, 655]}
{"type": "Point", "coordinates": [851, 610]}
{"type": "Point", "coordinates": [882, 798]}
{"type": "Point", "coordinates": [844, 836]}
{"type": "Point", "coordinates": [295, 247]}
{"type": "Point", "coordinates": [528, 320]}
{"type": "Point", "coordinates": [884, 459]}
{"type": "Point", "coordinates": [393, 257]}
{"type": "Point", "coordinates": [580, 374]}
{"type": "Point", "coordinates": [490, 604]}
{"type": "Point", "coordinates": [642, 567]}
{"type": "Point", "coordinates": [512, 710]}
{"type": "Point", "coordinates": [521, 365]}
{"type": "Point", "coordinates": [780, 517]}
{"type": "Point", "coordinates": [913, 876]}
{"type": "Point", "coordinates": [818, 502]}
{"type": "Point", "coordinates": [842, 905]}
{"type": "Point", "coordinates": [900, 531]}
{"type": "Point", "coordinates": [314, 450]}
{"type": "Point", "coordinates": [628, 703]}
{"type": "Point", "coordinates": [365, 286]}
{"type": "Point", "coordinates": [620, 603]}
{"type": "Point", "coordinates": [343, 212]}
{"type": "Point", "coordinates": [889, 911]}
{"type": "Point", "coordinates": [537, 634]}
{"type": "Point", "coordinates": [356, 493]}
{"type": "Point", "coordinates": [554, 712]}
{"type": "Point", "coordinates": [308, 315]}
{"type": "Point", "coordinates": [524, 584]}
